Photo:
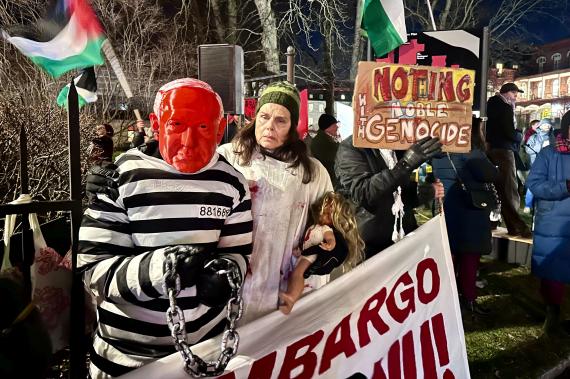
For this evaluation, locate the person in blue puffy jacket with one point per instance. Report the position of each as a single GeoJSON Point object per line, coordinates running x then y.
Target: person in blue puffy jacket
{"type": "Point", "coordinates": [541, 138]}
{"type": "Point", "coordinates": [549, 181]}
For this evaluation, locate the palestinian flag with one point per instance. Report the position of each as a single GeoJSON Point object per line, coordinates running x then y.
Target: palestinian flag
{"type": "Point", "coordinates": [384, 23]}
{"type": "Point", "coordinates": [86, 85]}
{"type": "Point", "coordinates": [70, 37]}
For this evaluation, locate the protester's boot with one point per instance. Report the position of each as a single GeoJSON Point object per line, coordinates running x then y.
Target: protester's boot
{"type": "Point", "coordinates": [552, 326]}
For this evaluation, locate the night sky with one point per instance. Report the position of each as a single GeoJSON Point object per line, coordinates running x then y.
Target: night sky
{"type": "Point", "coordinates": [551, 26]}
{"type": "Point", "coordinates": [548, 30]}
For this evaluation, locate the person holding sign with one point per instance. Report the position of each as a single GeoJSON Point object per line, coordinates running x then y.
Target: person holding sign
{"type": "Point", "coordinates": [378, 181]}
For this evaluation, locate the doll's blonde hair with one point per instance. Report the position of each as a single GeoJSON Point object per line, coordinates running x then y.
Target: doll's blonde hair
{"type": "Point", "coordinates": [343, 220]}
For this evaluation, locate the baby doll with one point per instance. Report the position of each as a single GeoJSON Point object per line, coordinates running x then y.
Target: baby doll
{"type": "Point", "coordinates": [334, 236]}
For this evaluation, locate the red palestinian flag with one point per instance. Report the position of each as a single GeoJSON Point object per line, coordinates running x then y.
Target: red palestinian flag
{"type": "Point", "coordinates": [70, 37]}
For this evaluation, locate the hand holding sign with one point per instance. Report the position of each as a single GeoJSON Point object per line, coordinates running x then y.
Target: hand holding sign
{"type": "Point", "coordinates": [421, 151]}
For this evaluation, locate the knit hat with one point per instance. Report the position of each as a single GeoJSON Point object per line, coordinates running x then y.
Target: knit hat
{"type": "Point", "coordinates": [282, 93]}
{"type": "Point", "coordinates": [326, 120]}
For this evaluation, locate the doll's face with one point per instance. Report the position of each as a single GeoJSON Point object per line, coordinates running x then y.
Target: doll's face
{"type": "Point", "coordinates": [190, 127]}
{"type": "Point", "coordinates": [545, 127]}
{"type": "Point", "coordinates": [326, 215]}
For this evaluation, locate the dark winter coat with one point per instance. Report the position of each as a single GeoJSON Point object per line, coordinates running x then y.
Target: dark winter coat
{"type": "Point", "coordinates": [365, 178]}
{"type": "Point", "coordinates": [324, 148]}
{"type": "Point", "coordinates": [101, 149]}
{"type": "Point", "coordinates": [551, 246]}
{"type": "Point", "coordinates": [500, 130]}
{"type": "Point", "coordinates": [468, 227]}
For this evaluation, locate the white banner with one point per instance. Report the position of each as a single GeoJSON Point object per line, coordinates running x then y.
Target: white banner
{"type": "Point", "coordinates": [394, 316]}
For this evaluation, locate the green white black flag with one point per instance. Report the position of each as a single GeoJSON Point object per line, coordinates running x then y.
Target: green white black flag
{"type": "Point", "coordinates": [86, 85]}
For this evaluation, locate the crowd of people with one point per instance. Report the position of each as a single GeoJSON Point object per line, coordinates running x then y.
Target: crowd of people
{"type": "Point", "coordinates": [246, 204]}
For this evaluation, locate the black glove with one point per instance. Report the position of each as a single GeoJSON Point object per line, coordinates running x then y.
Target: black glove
{"type": "Point", "coordinates": [420, 152]}
{"type": "Point", "coordinates": [213, 288]}
{"type": "Point", "coordinates": [100, 180]}
{"type": "Point", "coordinates": [191, 265]}
{"type": "Point", "coordinates": [326, 260]}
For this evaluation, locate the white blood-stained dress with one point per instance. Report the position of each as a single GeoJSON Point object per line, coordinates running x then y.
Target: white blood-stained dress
{"type": "Point", "coordinates": [280, 207]}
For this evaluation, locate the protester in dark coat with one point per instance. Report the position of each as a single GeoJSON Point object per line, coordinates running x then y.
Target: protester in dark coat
{"type": "Point", "coordinates": [468, 227]}
{"type": "Point", "coordinates": [324, 145]}
{"type": "Point", "coordinates": [372, 179]}
{"type": "Point", "coordinates": [101, 147]}
{"type": "Point", "coordinates": [504, 141]}
{"type": "Point", "coordinates": [549, 181]}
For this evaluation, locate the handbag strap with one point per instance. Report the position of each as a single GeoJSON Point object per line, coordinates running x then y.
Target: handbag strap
{"type": "Point", "coordinates": [458, 177]}
{"type": "Point", "coordinates": [489, 186]}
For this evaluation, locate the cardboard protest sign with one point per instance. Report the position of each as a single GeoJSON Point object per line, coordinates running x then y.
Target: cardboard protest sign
{"type": "Point", "coordinates": [394, 316]}
{"type": "Point", "coordinates": [396, 105]}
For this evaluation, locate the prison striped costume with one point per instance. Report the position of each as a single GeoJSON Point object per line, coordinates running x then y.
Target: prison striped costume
{"type": "Point", "coordinates": [121, 252]}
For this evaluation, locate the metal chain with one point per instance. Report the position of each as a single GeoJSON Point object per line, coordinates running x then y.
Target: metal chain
{"type": "Point", "coordinates": [193, 364]}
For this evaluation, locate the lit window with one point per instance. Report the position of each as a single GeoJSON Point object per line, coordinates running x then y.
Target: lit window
{"type": "Point", "coordinates": [555, 88]}
{"type": "Point", "coordinates": [541, 61]}
{"type": "Point", "coordinates": [556, 60]}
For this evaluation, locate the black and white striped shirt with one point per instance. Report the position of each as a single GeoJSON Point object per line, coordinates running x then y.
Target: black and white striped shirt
{"type": "Point", "coordinates": [121, 251]}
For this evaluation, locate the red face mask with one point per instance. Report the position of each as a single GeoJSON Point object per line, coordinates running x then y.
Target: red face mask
{"type": "Point", "coordinates": [190, 127]}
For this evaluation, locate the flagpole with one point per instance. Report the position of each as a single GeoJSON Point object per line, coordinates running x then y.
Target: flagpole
{"type": "Point", "coordinates": [431, 15]}
{"type": "Point", "coordinates": [116, 65]}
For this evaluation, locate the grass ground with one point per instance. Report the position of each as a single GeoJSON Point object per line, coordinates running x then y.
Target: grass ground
{"type": "Point", "coordinates": [508, 343]}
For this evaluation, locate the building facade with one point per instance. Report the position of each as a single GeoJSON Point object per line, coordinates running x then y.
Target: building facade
{"type": "Point", "coordinates": [547, 91]}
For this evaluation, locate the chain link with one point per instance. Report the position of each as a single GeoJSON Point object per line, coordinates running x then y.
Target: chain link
{"type": "Point", "coordinates": [193, 364]}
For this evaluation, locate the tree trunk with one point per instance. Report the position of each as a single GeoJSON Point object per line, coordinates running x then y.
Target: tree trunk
{"type": "Point", "coordinates": [220, 31]}
{"type": "Point", "coordinates": [232, 21]}
{"type": "Point", "coordinates": [269, 37]}
{"type": "Point", "coordinates": [357, 45]}
{"type": "Point", "coordinates": [444, 15]}
{"type": "Point", "coordinates": [328, 72]}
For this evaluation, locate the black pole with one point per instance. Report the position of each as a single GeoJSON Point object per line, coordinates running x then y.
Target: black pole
{"type": "Point", "coordinates": [27, 255]}
{"type": "Point", "coordinates": [23, 161]}
{"type": "Point", "coordinates": [484, 75]}
{"type": "Point", "coordinates": [484, 72]}
{"type": "Point", "coordinates": [78, 368]}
